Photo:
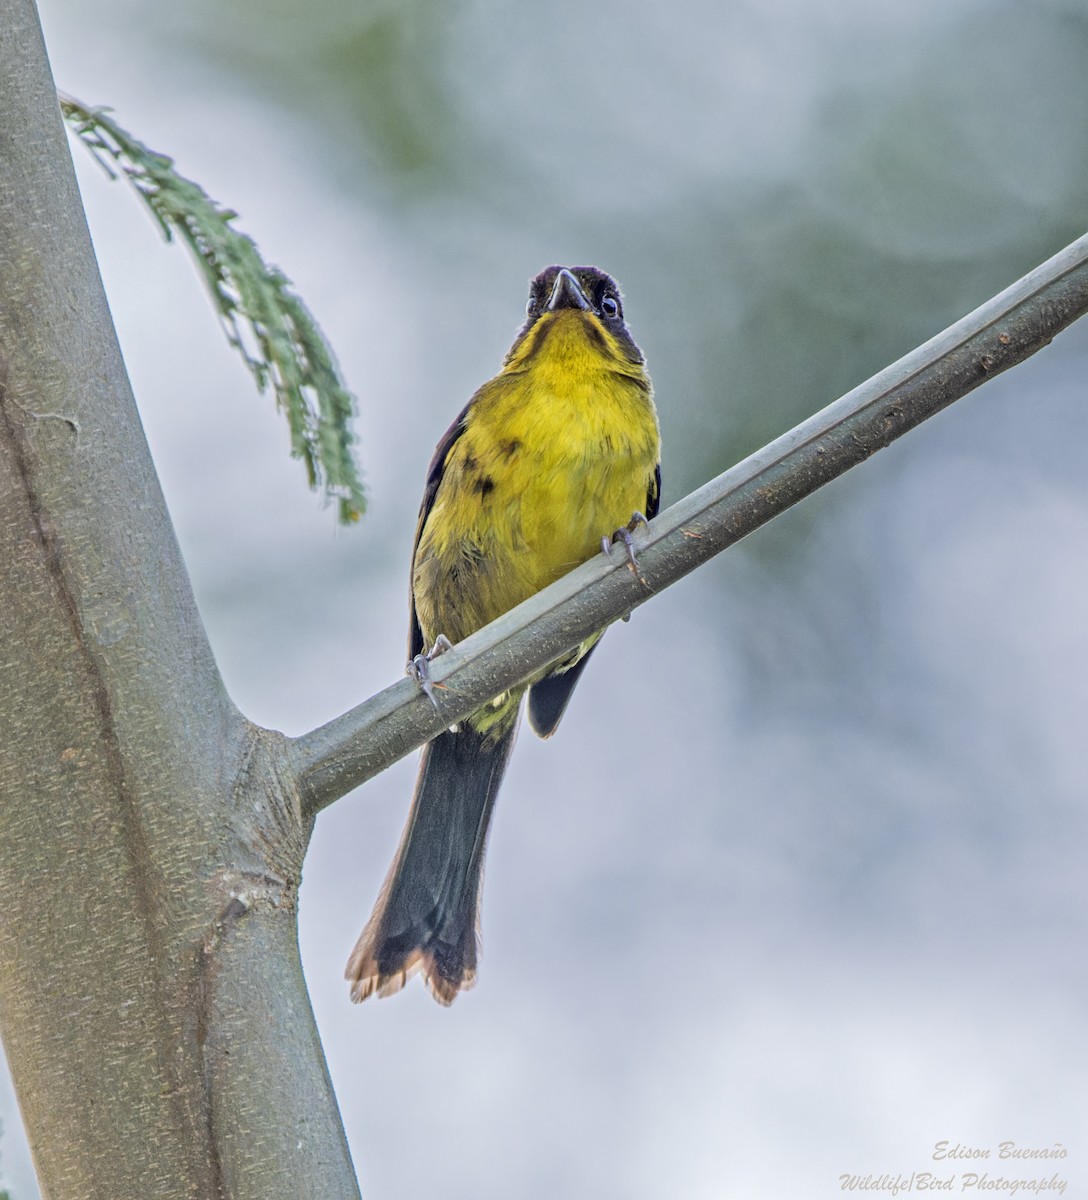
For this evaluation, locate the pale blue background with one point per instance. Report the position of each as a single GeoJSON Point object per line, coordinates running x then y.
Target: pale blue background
{"type": "Point", "coordinates": [799, 888]}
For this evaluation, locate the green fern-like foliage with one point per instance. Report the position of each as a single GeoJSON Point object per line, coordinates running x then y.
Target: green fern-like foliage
{"type": "Point", "coordinates": [264, 320]}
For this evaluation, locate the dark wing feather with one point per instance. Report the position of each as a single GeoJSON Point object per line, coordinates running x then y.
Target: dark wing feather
{"type": "Point", "coordinates": [653, 494]}
{"type": "Point", "coordinates": [549, 698]}
{"type": "Point", "coordinates": [434, 478]}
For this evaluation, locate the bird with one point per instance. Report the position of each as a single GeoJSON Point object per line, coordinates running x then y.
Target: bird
{"type": "Point", "coordinates": [555, 457]}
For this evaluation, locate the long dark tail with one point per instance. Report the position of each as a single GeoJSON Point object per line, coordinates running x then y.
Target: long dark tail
{"type": "Point", "coordinates": [427, 914]}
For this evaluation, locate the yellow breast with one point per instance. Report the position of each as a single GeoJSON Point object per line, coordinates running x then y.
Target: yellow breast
{"type": "Point", "coordinates": [556, 452]}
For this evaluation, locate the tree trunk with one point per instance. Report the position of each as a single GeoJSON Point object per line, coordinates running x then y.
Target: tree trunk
{"type": "Point", "coordinates": [151, 997]}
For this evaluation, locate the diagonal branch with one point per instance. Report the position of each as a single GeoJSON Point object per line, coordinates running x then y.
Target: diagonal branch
{"type": "Point", "coordinates": [1004, 331]}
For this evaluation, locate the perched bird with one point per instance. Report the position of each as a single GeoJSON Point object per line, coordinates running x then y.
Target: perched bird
{"type": "Point", "coordinates": [560, 448]}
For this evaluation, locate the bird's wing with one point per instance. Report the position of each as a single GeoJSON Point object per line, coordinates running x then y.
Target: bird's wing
{"type": "Point", "coordinates": [653, 495]}
{"type": "Point", "coordinates": [434, 478]}
{"type": "Point", "coordinates": [548, 698]}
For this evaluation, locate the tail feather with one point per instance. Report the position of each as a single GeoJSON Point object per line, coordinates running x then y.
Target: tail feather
{"type": "Point", "coordinates": [427, 914]}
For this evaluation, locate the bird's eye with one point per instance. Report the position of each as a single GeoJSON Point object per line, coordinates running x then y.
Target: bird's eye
{"type": "Point", "coordinates": [610, 307]}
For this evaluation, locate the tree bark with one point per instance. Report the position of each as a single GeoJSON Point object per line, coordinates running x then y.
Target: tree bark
{"type": "Point", "coordinates": [151, 997]}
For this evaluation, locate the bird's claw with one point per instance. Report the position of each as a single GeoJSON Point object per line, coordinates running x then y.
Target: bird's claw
{"type": "Point", "coordinates": [625, 534]}
{"type": "Point", "coordinates": [420, 668]}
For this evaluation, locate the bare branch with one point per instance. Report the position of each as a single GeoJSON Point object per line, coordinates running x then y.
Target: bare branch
{"type": "Point", "coordinates": [1001, 333]}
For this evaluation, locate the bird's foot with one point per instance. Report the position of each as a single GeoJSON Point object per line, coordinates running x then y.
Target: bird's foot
{"type": "Point", "coordinates": [420, 668]}
{"type": "Point", "coordinates": [625, 534]}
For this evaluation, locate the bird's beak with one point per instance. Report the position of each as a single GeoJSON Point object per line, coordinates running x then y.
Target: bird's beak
{"type": "Point", "coordinates": [566, 293]}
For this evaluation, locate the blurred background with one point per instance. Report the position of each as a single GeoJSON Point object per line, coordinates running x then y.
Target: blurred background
{"type": "Point", "coordinates": [798, 890]}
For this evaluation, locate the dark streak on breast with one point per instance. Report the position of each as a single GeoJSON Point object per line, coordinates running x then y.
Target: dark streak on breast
{"type": "Point", "coordinates": [595, 336]}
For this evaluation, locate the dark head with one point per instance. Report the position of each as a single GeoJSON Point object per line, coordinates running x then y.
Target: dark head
{"type": "Point", "coordinates": [589, 295]}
